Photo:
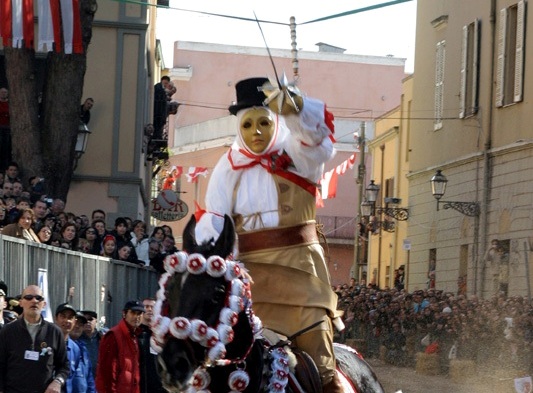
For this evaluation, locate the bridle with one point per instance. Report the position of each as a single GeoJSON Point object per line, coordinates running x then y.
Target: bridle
{"type": "Point", "coordinates": [214, 338]}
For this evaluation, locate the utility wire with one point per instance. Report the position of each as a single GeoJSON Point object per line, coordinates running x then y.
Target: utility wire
{"type": "Point", "coordinates": [255, 20]}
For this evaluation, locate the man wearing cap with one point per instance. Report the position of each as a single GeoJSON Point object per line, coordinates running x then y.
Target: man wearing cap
{"type": "Point", "coordinates": [118, 369]}
{"type": "Point", "coordinates": [80, 379]}
{"type": "Point", "coordinates": [33, 356]}
{"type": "Point", "coordinates": [267, 181]}
{"type": "Point", "coordinates": [91, 337]}
{"type": "Point", "coordinates": [84, 379]}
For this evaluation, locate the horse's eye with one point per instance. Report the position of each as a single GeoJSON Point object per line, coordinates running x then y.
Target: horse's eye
{"type": "Point", "coordinates": [219, 295]}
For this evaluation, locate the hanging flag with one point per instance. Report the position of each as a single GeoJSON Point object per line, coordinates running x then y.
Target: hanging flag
{"type": "Point", "coordinates": [58, 20]}
{"type": "Point", "coordinates": [42, 282]}
{"type": "Point", "coordinates": [173, 175]}
{"type": "Point", "coordinates": [46, 27]}
{"type": "Point", "coordinates": [328, 183]}
{"type": "Point", "coordinates": [70, 13]}
{"type": "Point", "coordinates": [194, 172]}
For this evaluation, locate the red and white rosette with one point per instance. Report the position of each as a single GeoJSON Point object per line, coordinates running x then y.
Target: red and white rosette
{"type": "Point", "coordinates": [196, 264]}
{"type": "Point", "coordinates": [233, 270]}
{"type": "Point", "coordinates": [156, 345]}
{"type": "Point", "coordinates": [164, 279]}
{"type": "Point", "coordinates": [160, 294]}
{"type": "Point", "coordinates": [228, 316]}
{"type": "Point", "coordinates": [216, 266]}
{"type": "Point", "coordinates": [237, 287]}
{"type": "Point", "coordinates": [275, 387]}
{"type": "Point", "coordinates": [280, 375]}
{"type": "Point", "coordinates": [280, 364]}
{"type": "Point", "coordinates": [235, 303]}
{"type": "Point", "coordinates": [211, 338]}
{"type": "Point", "coordinates": [225, 333]}
{"type": "Point", "coordinates": [200, 379]}
{"type": "Point", "coordinates": [279, 352]}
{"type": "Point", "coordinates": [160, 326]}
{"type": "Point", "coordinates": [176, 262]}
{"type": "Point", "coordinates": [157, 307]}
{"type": "Point", "coordinates": [257, 327]}
{"type": "Point", "coordinates": [198, 330]}
{"type": "Point", "coordinates": [180, 328]}
{"type": "Point", "coordinates": [238, 380]}
{"type": "Point", "coordinates": [217, 352]}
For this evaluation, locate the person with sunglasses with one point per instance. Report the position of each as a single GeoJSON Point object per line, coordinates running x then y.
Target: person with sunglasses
{"type": "Point", "coordinates": [33, 355]}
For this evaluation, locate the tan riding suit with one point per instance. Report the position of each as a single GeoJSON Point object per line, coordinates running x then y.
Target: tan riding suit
{"type": "Point", "coordinates": [291, 288]}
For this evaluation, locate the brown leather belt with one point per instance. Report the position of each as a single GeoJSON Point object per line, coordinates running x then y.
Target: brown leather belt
{"type": "Point", "coordinates": [278, 237]}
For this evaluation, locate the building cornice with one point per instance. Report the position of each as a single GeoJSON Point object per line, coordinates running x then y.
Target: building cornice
{"type": "Point", "coordinates": [286, 53]}
{"type": "Point", "coordinates": [520, 145]}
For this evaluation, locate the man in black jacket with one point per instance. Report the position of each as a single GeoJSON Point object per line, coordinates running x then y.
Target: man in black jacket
{"type": "Point", "coordinates": [150, 380]}
{"type": "Point", "coordinates": [33, 356]}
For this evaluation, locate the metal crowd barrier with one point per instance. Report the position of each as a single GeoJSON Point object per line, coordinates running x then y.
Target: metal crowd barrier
{"type": "Point", "coordinates": [88, 282]}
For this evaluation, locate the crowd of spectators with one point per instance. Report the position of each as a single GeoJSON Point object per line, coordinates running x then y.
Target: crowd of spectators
{"type": "Point", "coordinates": [396, 325]}
{"type": "Point", "coordinates": [27, 213]}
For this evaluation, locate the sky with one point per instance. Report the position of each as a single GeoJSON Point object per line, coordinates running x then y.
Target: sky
{"type": "Point", "coordinates": [381, 32]}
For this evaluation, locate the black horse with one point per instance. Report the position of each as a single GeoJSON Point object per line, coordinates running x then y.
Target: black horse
{"type": "Point", "coordinates": [212, 340]}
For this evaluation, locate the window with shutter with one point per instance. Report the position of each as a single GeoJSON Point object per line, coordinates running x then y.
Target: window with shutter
{"type": "Point", "coordinates": [510, 61]}
{"type": "Point", "coordinates": [469, 70]}
{"type": "Point", "coordinates": [439, 84]}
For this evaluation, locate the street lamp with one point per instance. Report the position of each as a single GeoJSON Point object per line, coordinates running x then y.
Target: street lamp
{"type": "Point", "coordinates": [369, 208]}
{"type": "Point", "coordinates": [83, 138]}
{"type": "Point", "coordinates": [438, 188]}
{"type": "Point", "coordinates": [81, 142]}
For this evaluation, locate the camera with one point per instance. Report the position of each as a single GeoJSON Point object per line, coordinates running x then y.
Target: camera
{"type": "Point", "coordinates": [48, 201]}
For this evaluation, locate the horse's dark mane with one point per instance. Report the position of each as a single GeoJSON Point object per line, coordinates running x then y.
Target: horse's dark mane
{"type": "Point", "coordinates": [223, 247]}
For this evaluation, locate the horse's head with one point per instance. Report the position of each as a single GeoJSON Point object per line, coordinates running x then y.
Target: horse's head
{"type": "Point", "coordinates": [210, 310]}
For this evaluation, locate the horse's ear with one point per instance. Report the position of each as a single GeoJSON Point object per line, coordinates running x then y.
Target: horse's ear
{"type": "Point", "coordinates": [189, 238]}
{"type": "Point", "coordinates": [226, 240]}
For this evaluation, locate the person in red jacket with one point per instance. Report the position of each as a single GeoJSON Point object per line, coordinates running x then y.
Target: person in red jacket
{"type": "Point", "coordinates": [118, 369]}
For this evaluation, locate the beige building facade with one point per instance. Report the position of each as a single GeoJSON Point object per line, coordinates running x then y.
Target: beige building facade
{"type": "Point", "coordinates": [470, 118]}
{"type": "Point", "coordinates": [123, 64]}
{"type": "Point", "coordinates": [386, 229]}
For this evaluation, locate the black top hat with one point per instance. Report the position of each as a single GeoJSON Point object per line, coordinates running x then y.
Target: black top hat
{"type": "Point", "coordinates": [249, 94]}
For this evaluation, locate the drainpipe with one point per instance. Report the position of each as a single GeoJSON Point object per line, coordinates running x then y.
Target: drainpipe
{"type": "Point", "coordinates": [487, 162]}
{"type": "Point", "coordinates": [380, 217]}
{"type": "Point", "coordinates": [360, 182]}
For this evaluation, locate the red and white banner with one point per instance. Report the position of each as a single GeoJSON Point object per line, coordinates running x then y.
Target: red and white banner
{"type": "Point", "coordinates": [59, 21]}
{"type": "Point", "coordinates": [330, 179]}
{"type": "Point", "coordinates": [194, 172]}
